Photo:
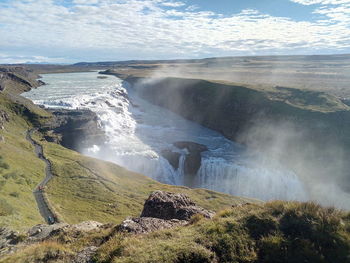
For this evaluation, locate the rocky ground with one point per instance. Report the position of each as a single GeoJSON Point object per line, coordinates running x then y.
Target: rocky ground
{"type": "Point", "coordinates": [162, 210]}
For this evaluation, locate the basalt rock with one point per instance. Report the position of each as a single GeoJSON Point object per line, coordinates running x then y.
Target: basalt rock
{"type": "Point", "coordinates": [23, 78]}
{"type": "Point", "coordinates": [76, 129]}
{"type": "Point", "coordinates": [172, 157]}
{"type": "Point", "coordinates": [165, 205]}
{"type": "Point", "coordinates": [191, 146]}
{"type": "Point", "coordinates": [193, 159]}
{"type": "Point", "coordinates": [143, 225]}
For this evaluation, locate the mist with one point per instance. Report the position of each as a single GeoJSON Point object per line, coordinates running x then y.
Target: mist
{"type": "Point", "coordinates": [321, 167]}
{"type": "Point", "coordinates": [307, 150]}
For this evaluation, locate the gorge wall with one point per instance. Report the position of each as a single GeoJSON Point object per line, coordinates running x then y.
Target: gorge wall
{"type": "Point", "coordinates": [305, 131]}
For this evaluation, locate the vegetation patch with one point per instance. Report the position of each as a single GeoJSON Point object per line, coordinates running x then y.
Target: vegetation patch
{"type": "Point", "coordinates": [274, 232]}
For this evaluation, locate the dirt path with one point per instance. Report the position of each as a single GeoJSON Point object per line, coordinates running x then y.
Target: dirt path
{"type": "Point", "coordinates": [43, 206]}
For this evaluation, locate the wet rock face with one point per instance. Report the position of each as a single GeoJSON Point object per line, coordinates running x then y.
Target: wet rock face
{"type": "Point", "coordinates": [172, 157]}
{"type": "Point", "coordinates": [165, 205]}
{"type": "Point", "coordinates": [191, 146]}
{"type": "Point", "coordinates": [77, 128]}
{"type": "Point", "coordinates": [193, 159]}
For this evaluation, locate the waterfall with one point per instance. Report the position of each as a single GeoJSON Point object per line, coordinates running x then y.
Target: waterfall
{"type": "Point", "coordinates": [137, 132]}
{"type": "Point", "coordinates": [256, 181]}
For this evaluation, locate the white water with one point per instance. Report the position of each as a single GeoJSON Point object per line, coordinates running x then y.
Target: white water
{"type": "Point", "coordinates": [138, 131]}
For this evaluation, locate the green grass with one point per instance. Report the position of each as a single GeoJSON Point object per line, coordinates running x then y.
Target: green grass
{"type": "Point", "coordinates": [274, 232]}
{"type": "Point", "coordinates": [20, 172]}
{"type": "Point", "coordinates": [43, 252]}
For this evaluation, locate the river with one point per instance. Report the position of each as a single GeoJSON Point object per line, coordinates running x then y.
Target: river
{"type": "Point", "coordinates": [137, 132]}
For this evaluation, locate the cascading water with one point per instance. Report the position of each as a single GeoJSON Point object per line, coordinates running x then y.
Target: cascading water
{"type": "Point", "coordinates": [137, 133]}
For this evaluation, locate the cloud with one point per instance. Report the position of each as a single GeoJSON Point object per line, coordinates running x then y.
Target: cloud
{"type": "Point", "coordinates": [119, 29]}
{"type": "Point", "coordinates": [173, 4]}
{"type": "Point", "coordinates": [322, 2]}
{"type": "Point", "coordinates": [8, 59]}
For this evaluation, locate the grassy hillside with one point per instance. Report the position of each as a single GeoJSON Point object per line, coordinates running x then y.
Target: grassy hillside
{"type": "Point", "coordinates": [22, 172]}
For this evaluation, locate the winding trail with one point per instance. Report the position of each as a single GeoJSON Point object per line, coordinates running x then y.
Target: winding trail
{"type": "Point", "coordinates": [41, 201]}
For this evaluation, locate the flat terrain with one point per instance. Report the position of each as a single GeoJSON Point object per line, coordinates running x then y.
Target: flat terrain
{"type": "Point", "coordinates": [319, 73]}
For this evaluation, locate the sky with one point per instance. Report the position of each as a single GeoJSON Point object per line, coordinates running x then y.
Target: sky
{"type": "Point", "coordinates": [68, 31]}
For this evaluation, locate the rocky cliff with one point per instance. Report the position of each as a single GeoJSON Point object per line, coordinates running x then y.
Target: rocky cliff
{"type": "Point", "coordinates": [294, 125]}
{"type": "Point", "coordinates": [74, 129]}
{"type": "Point", "coordinates": [18, 79]}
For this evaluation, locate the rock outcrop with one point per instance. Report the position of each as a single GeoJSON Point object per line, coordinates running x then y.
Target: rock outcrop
{"type": "Point", "coordinates": [22, 77]}
{"type": "Point", "coordinates": [75, 129]}
{"type": "Point", "coordinates": [172, 157]}
{"type": "Point", "coordinates": [193, 159]}
{"type": "Point", "coordinates": [163, 210]}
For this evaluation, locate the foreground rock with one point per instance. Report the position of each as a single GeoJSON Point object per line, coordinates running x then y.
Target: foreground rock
{"type": "Point", "coordinates": [168, 206]}
{"type": "Point", "coordinates": [163, 210]}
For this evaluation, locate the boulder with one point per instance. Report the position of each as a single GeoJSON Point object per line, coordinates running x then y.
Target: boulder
{"type": "Point", "coordinates": [163, 210]}
{"type": "Point", "coordinates": [165, 205]}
